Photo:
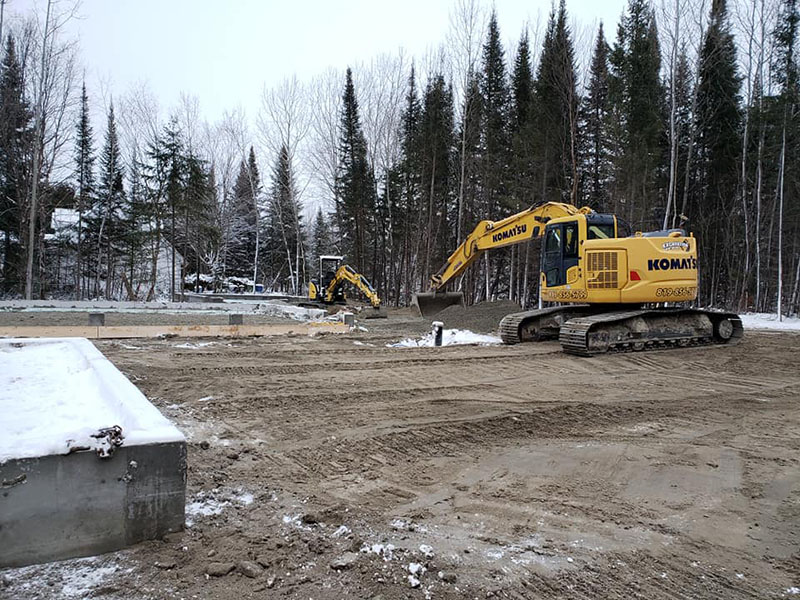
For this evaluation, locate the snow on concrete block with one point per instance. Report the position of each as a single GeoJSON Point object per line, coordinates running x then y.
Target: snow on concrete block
{"type": "Point", "coordinates": [87, 464]}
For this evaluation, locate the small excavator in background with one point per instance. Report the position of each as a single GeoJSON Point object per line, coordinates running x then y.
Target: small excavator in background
{"type": "Point", "coordinates": [615, 293]}
{"type": "Point", "coordinates": [328, 289]}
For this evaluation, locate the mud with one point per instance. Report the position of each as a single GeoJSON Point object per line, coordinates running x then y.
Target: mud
{"type": "Point", "coordinates": [483, 317]}
{"type": "Point", "coordinates": [334, 466]}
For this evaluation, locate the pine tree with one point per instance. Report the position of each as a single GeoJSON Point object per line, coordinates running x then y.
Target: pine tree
{"type": "Point", "coordinates": [595, 123]}
{"type": "Point", "coordinates": [407, 180]}
{"type": "Point", "coordinates": [437, 174]}
{"type": "Point", "coordinates": [105, 220]}
{"type": "Point", "coordinates": [355, 185]}
{"type": "Point", "coordinates": [321, 240]}
{"type": "Point", "coordinates": [285, 237]}
{"type": "Point", "coordinates": [639, 127]}
{"type": "Point", "coordinates": [244, 247]}
{"type": "Point", "coordinates": [84, 182]}
{"type": "Point", "coordinates": [16, 145]}
{"type": "Point", "coordinates": [523, 128]}
{"type": "Point", "coordinates": [719, 145]}
{"type": "Point", "coordinates": [495, 131]}
{"type": "Point", "coordinates": [557, 112]}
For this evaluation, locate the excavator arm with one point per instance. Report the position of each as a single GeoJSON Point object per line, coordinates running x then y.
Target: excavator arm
{"type": "Point", "coordinates": [488, 235]}
{"type": "Point", "coordinates": [497, 234]}
{"type": "Point", "coordinates": [345, 273]}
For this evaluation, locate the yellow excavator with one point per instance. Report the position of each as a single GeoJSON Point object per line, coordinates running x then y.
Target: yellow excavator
{"type": "Point", "coordinates": [328, 289]}
{"type": "Point", "coordinates": [615, 293]}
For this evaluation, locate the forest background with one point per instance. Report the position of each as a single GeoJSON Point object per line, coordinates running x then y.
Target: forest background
{"type": "Point", "coordinates": [684, 114]}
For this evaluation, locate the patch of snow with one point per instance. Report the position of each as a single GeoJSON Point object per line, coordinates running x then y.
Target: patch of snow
{"type": "Point", "coordinates": [55, 393]}
{"type": "Point", "coordinates": [426, 550]}
{"type": "Point", "coordinates": [342, 530]}
{"type": "Point", "coordinates": [214, 502]}
{"type": "Point", "coordinates": [793, 590]}
{"type": "Point", "coordinates": [194, 346]}
{"type": "Point", "coordinates": [385, 551]}
{"type": "Point", "coordinates": [399, 524]}
{"type": "Point", "coordinates": [450, 337]}
{"type": "Point", "coordinates": [298, 313]}
{"type": "Point", "coordinates": [413, 581]}
{"type": "Point", "coordinates": [416, 568]}
{"type": "Point", "coordinates": [769, 321]}
{"type": "Point", "coordinates": [494, 554]}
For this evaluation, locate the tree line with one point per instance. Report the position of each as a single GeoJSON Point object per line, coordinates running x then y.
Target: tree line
{"type": "Point", "coordinates": [687, 117]}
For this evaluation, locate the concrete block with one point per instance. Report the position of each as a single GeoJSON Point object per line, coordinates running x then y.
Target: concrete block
{"type": "Point", "coordinates": [57, 507]}
{"type": "Point", "coordinates": [87, 464]}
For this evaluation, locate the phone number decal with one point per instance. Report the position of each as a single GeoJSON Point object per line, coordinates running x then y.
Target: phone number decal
{"type": "Point", "coordinates": [678, 291]}
{"type": "Point", "coordinates": [565, 295]}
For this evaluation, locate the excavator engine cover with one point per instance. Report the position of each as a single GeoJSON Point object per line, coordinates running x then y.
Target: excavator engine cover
{"type": "Point", "coordinates": [430, 303]}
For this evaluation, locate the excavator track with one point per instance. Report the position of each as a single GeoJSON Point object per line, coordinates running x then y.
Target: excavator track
{"type": "Point", "coordinates": [538, 325]}
{"type": "Point", "coordinates": [648, 329]}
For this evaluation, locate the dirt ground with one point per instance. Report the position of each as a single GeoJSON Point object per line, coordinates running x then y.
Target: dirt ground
{"type": "Point", "coordinates": [335, 466]}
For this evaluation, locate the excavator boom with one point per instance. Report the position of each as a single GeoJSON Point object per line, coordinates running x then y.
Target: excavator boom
{"type": "Point", "coordinates": [488, 235]}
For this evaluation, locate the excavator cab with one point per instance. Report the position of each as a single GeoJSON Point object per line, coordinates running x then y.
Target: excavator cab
{"type": "Point", "coordinates": [561, 246]}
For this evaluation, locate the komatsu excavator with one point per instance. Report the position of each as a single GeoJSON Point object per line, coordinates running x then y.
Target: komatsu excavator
{"type": "Point", "coordinates": [615, 293]}
{"type": "Point", "coordinates": [329, 288]}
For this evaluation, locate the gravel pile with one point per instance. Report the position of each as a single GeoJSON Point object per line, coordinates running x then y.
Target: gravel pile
{"type": "Point", "coordinates": [480, 318]}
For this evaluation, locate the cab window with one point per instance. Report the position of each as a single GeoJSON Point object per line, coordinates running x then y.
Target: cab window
{"type": "Point", "coordinates": [600, 232]}
{"type": "Point", "coordinates": [553, 241]}
{"type": "Point", "coordinates": [571, 240]}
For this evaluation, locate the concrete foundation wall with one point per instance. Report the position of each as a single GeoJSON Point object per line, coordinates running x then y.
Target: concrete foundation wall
{"type": "Point", "coordinates": [58, 507]}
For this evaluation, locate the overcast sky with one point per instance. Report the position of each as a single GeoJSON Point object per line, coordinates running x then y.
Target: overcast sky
{"type": "Point", "coordinates": [224, 51]}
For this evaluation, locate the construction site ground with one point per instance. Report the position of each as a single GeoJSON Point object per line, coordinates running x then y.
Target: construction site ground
{"type": "Point", "coordinates": [334, 466]}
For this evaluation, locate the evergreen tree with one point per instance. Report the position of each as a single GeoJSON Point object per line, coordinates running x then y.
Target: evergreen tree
{"type": "Point", "coordinates": [321, 242]}
{"type": "Point", "coordinates": [495, 132]}
{"type": "Point", "coordinates": [640, 129]}
{"type": "Point", "coordinates": [523, 128]}
{"type": "Point", "coordinates": [201, 234]}
{"type": "Point", "coordinates": [557, 112]}
{"type": "Point", "coordinates": [407, 180]}
{"type": "Point", "coordinates": [355, 184]}
{"type": "Point", "coordinates": [105, 220]}
{"type": "Point", "coordinates": [84, 182]}
{"type": "Point", "coordinates": [437, 174]}
{"type": "Point", "coordinates": [16, 145]}
{"type": "Point", "coordinates": [285, 237]}
{"type": "Point", "coordinates": [595, 123]}
{"type": "Point", "coordinates": [243, 251]}
{"type": "Point", "coordinates": [718, 148]}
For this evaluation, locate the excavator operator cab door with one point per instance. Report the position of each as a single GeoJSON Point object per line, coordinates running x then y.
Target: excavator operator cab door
{"type": "Point", "coordinates": [559, 251]}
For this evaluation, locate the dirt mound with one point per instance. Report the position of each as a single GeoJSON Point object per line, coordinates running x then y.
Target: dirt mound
{"type": "Point", "coordinates": [483, 317]}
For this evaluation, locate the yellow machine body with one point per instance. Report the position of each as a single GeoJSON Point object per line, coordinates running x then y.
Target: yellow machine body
{"type": "Point", "coordinates": [631, 270]}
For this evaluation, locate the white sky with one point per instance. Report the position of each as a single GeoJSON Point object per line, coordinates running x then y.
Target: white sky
{"type": "Point", "coordinates": [225, 51]}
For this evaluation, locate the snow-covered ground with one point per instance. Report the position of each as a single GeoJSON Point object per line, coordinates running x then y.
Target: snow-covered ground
{"type": "Point", "coordinates": [450, 337]}
{"type": "Point", "coordinates": [55, 393]}
{"type": "Point", "coordinates": [769, 321]}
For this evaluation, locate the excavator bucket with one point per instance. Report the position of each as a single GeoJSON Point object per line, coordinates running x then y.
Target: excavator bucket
{"type": "Point", "coordinates": [428, 304]}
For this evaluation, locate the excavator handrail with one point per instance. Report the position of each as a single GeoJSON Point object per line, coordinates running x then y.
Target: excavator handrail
{"type": "Point", "coordinates": [497, 234]}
